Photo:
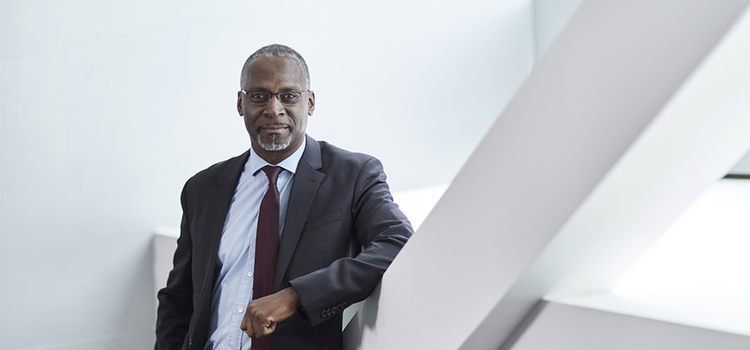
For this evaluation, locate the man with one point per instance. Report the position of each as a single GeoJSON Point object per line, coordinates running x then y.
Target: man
{"type": "Point", "coordinates": [276, 242]}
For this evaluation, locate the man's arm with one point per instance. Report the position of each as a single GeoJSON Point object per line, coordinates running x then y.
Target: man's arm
{"type": "Point", "coordinates": [176, 299]}
{"type": "Point", "coordinates": [380, 227]}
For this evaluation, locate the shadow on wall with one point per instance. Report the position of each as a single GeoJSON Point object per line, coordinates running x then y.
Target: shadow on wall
{"type": "Point", "coordinates": [363, 320]}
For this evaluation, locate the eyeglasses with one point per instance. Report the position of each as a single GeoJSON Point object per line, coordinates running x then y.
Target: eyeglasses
{"type": "Point", "coordinates": [286, 98]}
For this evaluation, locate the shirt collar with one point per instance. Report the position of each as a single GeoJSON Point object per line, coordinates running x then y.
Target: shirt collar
{"type": "Point", "coordinates": [289, 164]}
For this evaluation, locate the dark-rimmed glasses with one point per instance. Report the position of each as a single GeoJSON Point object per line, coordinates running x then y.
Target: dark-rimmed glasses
{"type": "Point", "coordinates": [262, 97]}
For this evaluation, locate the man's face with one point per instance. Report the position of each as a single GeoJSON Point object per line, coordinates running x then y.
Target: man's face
{"type": "Point", "coordinates": [276, 130]}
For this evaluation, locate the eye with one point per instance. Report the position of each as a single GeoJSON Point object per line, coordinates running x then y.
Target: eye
{"type": "Point", "coordinates": [258, 96]}
{"type": "Point", "coordinates": [289, 96]}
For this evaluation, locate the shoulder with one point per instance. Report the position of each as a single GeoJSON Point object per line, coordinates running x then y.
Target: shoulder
{"type": "Point", "coordinates": [226, 169]}
{"type": "Point", "coordinates": [336, 157]}
{"type": "Point", "coordinates": [347, 167]}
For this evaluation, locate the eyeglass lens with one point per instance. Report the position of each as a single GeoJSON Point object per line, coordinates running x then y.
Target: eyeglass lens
{"type": "Point", "coordinates": [261, 97]}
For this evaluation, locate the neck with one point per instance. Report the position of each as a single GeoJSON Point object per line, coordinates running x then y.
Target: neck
{"type": "Point", "coordinates": [274, 157]}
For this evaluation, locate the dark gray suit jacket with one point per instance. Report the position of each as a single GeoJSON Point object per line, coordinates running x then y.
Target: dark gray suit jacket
{"type": "Point", "coordinates": [342, 230]}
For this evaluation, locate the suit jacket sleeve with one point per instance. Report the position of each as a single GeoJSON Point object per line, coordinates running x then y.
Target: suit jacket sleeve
{"type": "Point", "coordinates": [381, 229]}
{"type": "Point", "coordinates": [175, 300]}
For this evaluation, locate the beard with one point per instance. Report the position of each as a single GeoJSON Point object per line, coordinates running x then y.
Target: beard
{"type": "Point", "coordinates": [276, 144]}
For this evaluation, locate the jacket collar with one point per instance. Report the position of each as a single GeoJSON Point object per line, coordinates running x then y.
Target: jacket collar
{"type": "Point", "coordinates": [307, 180]}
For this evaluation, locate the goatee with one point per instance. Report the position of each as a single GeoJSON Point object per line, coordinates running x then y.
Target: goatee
{"type": "Point", "coordinates": [274, 145]}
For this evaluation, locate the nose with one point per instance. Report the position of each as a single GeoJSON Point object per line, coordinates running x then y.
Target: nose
{"type": "Point", "coordinates": [274, 107]}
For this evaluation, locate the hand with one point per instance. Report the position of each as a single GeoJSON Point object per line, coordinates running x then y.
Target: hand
{"type": "Point", "coordinates": [262, 315]}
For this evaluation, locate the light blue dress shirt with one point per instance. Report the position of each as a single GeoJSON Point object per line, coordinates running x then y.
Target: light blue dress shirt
{"type": "Point", "coordinates": [234, 285]}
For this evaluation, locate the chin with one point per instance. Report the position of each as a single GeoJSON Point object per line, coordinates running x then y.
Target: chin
{"type": "Point", "coordinates": [275, 145]}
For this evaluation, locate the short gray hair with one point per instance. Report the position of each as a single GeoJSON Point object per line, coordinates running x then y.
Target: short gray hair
{"type": "Point", "coordinates": [276, 50]}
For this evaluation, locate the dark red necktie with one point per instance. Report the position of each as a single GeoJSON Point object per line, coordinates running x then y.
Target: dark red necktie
{"type": "Point", "coordinates": [267, 247]}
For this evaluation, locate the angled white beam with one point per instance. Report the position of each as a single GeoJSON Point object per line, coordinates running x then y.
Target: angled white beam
{"type": "Point", "coordinates": [585, 145]}
{"type": "Point", "coordinates": [694, 140]}
{"type": "Point", "coordinates": [565, 327]}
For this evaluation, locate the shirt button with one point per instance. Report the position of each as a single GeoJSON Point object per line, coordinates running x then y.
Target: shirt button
{"type": "Point", "coordinates": [239, 309]}
{"type": "Point", "coordinates": [234, 345]}
{"type": "Point", "coordinates": [250, 274]}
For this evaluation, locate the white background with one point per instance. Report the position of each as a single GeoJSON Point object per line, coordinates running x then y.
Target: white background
{"type": "Point", "coordinates": [108, 107]}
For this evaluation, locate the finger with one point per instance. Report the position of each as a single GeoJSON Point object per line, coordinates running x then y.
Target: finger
{"type": "Point", "coordinates": [264, 327]}
{"type": "Point", "coordinates": [258, 329]}
{"type": "Point", "coordinates": [271, 328]}
{"type": "Point", "coordinates": [247, 326]}
{"type": "Point", "coordinates": [264, 332]}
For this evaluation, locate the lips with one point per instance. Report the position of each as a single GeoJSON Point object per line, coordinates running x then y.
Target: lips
{"type": "Point", "coordinates": [274, 128]}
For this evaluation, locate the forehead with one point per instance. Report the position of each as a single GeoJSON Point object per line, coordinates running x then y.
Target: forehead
{"type": "Point", "coordinates": [274, 73]}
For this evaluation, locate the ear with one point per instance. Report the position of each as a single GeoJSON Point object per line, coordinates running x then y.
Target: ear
{"type": "Point", "coordinates": [239, 102]}
{"type": "Point", "coordinates": [311, 103]}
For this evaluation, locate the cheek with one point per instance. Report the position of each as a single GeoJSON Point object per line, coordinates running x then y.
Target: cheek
{"type": "Point", "coordinates": [250, 116]}
{"type": "Point", "coordinates": [249, 123]}
{"type": "Point", "coordinates": [301, 123]}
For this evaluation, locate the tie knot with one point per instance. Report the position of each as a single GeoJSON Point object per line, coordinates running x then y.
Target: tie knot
{"type": "Point", "coordinates": [272, 172]}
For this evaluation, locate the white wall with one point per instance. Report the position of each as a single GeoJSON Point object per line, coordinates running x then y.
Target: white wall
{"type": "Point", "coordinates": [616, 131]}
{"type": "Point", "coordinates": [743, 166]}
{"type": "Point", "coordinates": [550, 17]}
{"type": "Point", "coordinates": [108, 107]}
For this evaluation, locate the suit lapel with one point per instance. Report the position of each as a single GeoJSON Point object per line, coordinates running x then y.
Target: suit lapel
{"type": "Point", "coordinates": [306, 182]}
{"type": "Point", "coordinates": [219, 199]}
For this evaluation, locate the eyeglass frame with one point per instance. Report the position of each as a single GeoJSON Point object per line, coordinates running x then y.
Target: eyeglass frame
{"type": "Point", "coordinates": [276, 95]}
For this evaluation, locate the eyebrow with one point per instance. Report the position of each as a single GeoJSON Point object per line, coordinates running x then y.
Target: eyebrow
{"type": "Point", "coordinates": [261, 89]}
